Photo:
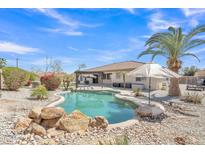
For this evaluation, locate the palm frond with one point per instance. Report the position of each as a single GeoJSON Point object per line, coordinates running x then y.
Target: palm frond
{"type": "Point", "coordinates": [193, 44]}
{"type": "Point", "coordinates": [195, 31]}
{"type": "Point", "coordinates": [146, 52]}
{"type": "Point", "coordinates": [190, 54]}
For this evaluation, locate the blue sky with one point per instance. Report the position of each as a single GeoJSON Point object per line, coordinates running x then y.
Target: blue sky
{"type": "Point", "coordinates": [91, 36]}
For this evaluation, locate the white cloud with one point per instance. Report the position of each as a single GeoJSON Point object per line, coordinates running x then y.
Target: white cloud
{"type": "Point", "coordinates": [69, 26]}
{"type": "Point", "coordinates": [130, 10]}
{"type": "Point", "coordinates": [111, 55]}
{"type": "Point", "coordinates": [146, 36]}
{"type": "Point", "coordinates": [157, 22]}
{"type": "Point", "coordinates": [191, 12]}
{"type": "Point", "coordinates": [72, 48]}
{"type": "Point", "coordinates": [69, 32]}
{"type": "Point", "coordinates": [198, 51]}
{"type": "Point", "coordinates": [193, 22]}
{"type": "Point", "coordinates": [193, 16]}
{"type": "Point", "coordinates": [16, 48]}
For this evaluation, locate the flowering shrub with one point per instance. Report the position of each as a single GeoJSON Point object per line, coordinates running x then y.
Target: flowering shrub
{"type": "Point", "coordinates": [51, 81]}
{"type": "Point", "coordinates": [39, 92]}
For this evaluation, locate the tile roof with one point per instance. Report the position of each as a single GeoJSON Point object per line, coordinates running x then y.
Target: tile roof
{"type": "Point", "coordinates": [120, 66]}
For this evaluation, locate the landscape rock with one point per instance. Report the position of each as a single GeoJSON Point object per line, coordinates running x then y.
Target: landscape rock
{"type": "Point", "coordinates": [144, 111]}
{"type": "Point", "coordinates": [99, 122]}
{"type": "Point", "coordinates": [153, 110]}
{"type": "Point", "coordinates": [22, 124]}
{"type": "Point", "coordinates": [50, 123]}
{"type": "Point", "coordinates": [38, 129]}
{"type": "Point", "coordinates": [51, 113]}
{"type": "Point", "coordinates": [53, 132]}
{"type": "Point", "coordinates": [76, 121]}
{"type": "Point", "coordinates": [35, 113]}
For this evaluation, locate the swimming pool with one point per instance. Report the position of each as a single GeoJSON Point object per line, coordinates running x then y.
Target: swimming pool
{"type": "Point", "coordinates": [101, 103]}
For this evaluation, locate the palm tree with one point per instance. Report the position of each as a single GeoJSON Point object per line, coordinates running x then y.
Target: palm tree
{"type": "Point", "coordinates": [173, 45]}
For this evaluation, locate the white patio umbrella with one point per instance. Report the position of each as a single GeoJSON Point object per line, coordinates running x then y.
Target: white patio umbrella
{"type": "Point", "coordinates": [153, 70]}
{"type": "Point", "coordinates": [89, 76]}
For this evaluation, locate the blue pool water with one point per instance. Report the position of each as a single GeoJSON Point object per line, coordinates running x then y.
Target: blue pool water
{"type": "Point", "coordinates": [99, 104]}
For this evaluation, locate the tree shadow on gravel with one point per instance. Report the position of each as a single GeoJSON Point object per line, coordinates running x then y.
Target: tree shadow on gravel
{"type": "Point", "coordinates": [157, 119]}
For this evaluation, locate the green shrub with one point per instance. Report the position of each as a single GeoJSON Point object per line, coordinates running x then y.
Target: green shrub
{"type": "Point", "coordinates": [51, 81]}
{"type": "Point", "coordinates": [193, 97]}
{"type": "Point", "coordinates": [14, 78]}
{"type": "Point", "coordinates": [137, 92]}
{"type": "Point", "coordinates": [28, 75]}
{"type": "Point", "coordinates": [40, 92]}
{"type": "Point", "coordinates": [33, 77]}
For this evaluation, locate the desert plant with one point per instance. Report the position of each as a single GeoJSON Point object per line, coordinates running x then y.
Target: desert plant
{"type": "Point", "coordinates": [137, 92]}
{"type": "Point", "coordinates": [193, 97]}
{"type": "Point", "coordinates": [51, 81]}
{"type": "Point", "coordinates": [14, 78]}
{"type": "Point", "coordinates": [40, 92]}
{"type": "Point", "coordinates": [190, 71]}
{"type": "Point", "coordinates": [67, 79]}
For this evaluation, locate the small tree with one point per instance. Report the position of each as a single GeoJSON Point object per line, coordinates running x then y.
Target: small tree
{"type": "Point", "coordinates": [81, 66]}
{"type": "Point", "coordinates": [190, 71]}
{"type": "Point", "coordinates": [2, 62]}
{"type": "Point", "coordinates": [67, 80]}
{"type": "Point", "coordinates": [56, 66]}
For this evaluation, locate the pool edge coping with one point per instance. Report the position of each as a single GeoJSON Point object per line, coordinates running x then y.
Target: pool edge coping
{"type": "Point", "coordinates": [118, 95]}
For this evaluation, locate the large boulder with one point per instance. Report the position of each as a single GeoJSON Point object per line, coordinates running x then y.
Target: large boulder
{"type": "Point", "coordinates": [144, 111]}
{"type": "Point", "coordinates": [22, 124]}
{"type": "Point", "coordinates": [35, 113]}
{"type": "Point", "coordinates": [38, 129]}
{"type": "Point", "coordinates": [50, 123]}
{"type": "Point", "coordinates": [76, 121]}
{"type": "Point", "coordinates": [53, 132]}
{"type": "Point", "coordinates": [51, 113]}
{"type": "Point", "coordinates": [99, 122]}
{"type": "Point", "coordinates": [153, 110]}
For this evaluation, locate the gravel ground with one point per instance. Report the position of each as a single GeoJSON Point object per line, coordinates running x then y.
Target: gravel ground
{"type": "Point", "coordinates": [14, 105]}
{"type": "Point", "coordinates": [183, 123]}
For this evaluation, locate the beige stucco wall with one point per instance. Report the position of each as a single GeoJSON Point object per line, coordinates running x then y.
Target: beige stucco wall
{"type": "Point", "coordinates": [155, 83]}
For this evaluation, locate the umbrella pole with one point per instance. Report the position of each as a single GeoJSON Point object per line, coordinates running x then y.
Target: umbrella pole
{"type": "Point", "coordinates": [149, 88]}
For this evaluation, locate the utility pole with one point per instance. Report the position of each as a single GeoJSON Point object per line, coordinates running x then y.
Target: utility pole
{"type": "Point", "coordinates": [17, 62]}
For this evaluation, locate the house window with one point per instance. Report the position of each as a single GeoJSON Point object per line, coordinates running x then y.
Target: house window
{"type": "Point", "coordinates": [138, 79]}
{"type": "Point", "coordinates": [104, 76]}
{"type": "Point", "coordinates": [81, 78]}
{"type": "Point", "coordinates": [109, 76]}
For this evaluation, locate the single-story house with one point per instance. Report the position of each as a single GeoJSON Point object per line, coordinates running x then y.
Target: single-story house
{"type": "Point", "coordinates": [115, 75]}
{"type": "Point", "coordinates": [200, 74]}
